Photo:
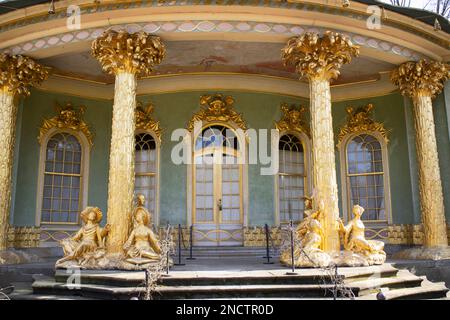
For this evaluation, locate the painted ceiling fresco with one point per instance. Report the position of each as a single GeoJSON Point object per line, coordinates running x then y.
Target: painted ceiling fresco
{"type": "Point", "coordinates": [215, 56]}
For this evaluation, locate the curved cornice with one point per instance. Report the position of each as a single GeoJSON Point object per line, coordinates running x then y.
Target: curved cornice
{"type": "Point", "coordinates": [28, 31]}
{"type": "Point", "coordinates": [220, 82]}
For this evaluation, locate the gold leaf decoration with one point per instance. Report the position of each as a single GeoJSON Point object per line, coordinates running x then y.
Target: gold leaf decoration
{"type": "Point", "coordinates": [423, 78]}
{"type": "Point", "coordinates": [319, 57]}
{"type": "Point", "coordinates": [360, 120]}
{"type": "Point", "coordinates": [67, 117]}
{"type": "Point", "coordinates": [217, 108]}
{"type": "Point", "coordinates": [145, 120]}
{"type": "Point", "coordinates": [292, 119]}
{"type": "Point", "coordinates": [120, 51]}
{"type": "Point", "coordinates": [18, 72]}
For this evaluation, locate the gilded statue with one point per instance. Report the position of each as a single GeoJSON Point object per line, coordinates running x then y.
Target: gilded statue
{"type": "Point", "coordinates": [142, 246]}
{"type": "Point", "coordinates": [309, 238]}
{"type": "Point", "coordinates": [354, 239]}
{"type": "Point", "coordinates": [87, 245]}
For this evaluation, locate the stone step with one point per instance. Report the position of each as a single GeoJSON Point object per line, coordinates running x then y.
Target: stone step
{"type": "Point", "coordinates": [244, 277]}
{"type": "Point", "coordinates": [45, 287]}
{"type": "Point", "coordinates": [373, 285]}
{"type": "Point", "coordinates": [425, 291]}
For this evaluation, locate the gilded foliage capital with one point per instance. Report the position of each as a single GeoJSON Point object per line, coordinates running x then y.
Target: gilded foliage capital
{"type": "Point", "coordinates": [120, 51]}
{"type": "Point", "coordinates": [18, 73]}
{"type": "Point", "coordinates": [319, 57]}
{"type": "Point", "coordinates": [421, 78]}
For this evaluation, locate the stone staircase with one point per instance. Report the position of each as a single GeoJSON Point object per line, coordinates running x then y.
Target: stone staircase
{"type": "Point", "coordinates": [225, 273]}
{"type": "Point", "coordinates": [364, 282]}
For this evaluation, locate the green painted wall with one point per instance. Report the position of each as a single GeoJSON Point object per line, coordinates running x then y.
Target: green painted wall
{"type": "Point", "coordinates": [443, 142]}
{"type": "Point", "coordinates": [173, 111]}
{"type": "Point", "coordinates": [41, 105]}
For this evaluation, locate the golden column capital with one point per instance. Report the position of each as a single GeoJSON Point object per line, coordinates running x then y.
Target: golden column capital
{"type": "Point", "coordinates": [120, 51]}
{"type": "Point", "coordinates": [18, 73]}
{"type": "Point", "coordinates": [319, 57]}
{"type": "Point", "coordinates": [421, 78]}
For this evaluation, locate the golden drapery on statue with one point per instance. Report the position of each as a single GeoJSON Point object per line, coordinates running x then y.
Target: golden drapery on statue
{"type": "Point", "coordinates": [87, 246]}
{"type": "Point", "coordinates": [142, 246]}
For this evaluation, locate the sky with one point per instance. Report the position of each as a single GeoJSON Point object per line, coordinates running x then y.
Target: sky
{"type": "Point", "coordinates": [418, 3]}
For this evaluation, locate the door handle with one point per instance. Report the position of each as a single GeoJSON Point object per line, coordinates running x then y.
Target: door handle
{"type": "Point", "coordinates": [219, 204]}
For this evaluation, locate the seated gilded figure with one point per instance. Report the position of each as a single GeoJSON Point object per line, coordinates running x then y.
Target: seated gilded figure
{"type": "Point", "coordinates": [354, 239]}
{"type": "Point", "coordinates": [142, 245]}
{"type": "Point", "coordinates": [88, 243]}
{"type": "Point", "coordinates": [309, 240]}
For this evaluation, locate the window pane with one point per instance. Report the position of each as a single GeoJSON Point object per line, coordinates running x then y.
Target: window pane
{"type": "Point", "coordinates": [145, 169]}
{"type": "Point", "coordinates": [291, 181]}
{"type": "Point", "coordinates": [366, 176]}
{"type": "Point", "coordinates": [61, 181]}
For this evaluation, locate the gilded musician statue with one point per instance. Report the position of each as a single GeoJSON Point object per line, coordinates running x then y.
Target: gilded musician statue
{"type": "Point", "coordinates": [354, 239]}
{"type": "Point", "coordinates": [309, 238]}
{"type": "Point", "coordinates": [87, 245]}
{"type": "Point", "coordinates": [142, 246]}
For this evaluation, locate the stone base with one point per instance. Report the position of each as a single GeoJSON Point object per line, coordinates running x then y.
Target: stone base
{"type": "Point", "coordinates": [351, 259]}
{"type": "Point", "coordinates": [340, 259]}
{"type": "Point", "coordinates": [424, 253]}
{"type": "Point", "coordinates": [112, 262]}
{"type": "Point", "coordinates": [13, 256]}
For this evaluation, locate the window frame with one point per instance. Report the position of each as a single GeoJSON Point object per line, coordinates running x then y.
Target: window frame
{"type": "Point", "coordinates": [345, 184]}
{"type": "Point", "coordinates": [84, 178]}
{"type": "Point", "coordinates": [155, 215]}
{"type": "Point", "coordinates": [306, 144]}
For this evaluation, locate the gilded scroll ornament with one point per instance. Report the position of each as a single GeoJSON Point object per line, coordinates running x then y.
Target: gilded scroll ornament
{"type": "Point", "coordinates": [120, 51]}
{"type": "Point", "coordinates": [359, 120]}
{"type": "Point", "coordinates": [67, 117]}
{"type": "Point", "coordinates": [314, 56]}
{"type": "Point", "coordinates": [292, 119]}
{"type": "Point", "coordinates": [422, 78]}
{"type": "Point", "coordinates": [217, 108]}
{"type": "Point", "coordinates": [146, 121]}
{"type": "Point", "coordinates": [18, 72]}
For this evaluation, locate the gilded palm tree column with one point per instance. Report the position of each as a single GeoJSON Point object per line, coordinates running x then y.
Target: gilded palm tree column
{"type": "Point", "coordinates": [422, 81]}
{"type": "Point", "coordinates": [126, 56]}
{"type": "Point", "coordinates": [17, 73]}
{"type": "Point", "coordinates": [319, 59]}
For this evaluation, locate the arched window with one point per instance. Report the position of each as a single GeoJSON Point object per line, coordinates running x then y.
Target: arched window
{"type": "Point", "coordinates": [365, 177]}
{"type": "Point", "coordinates": [146, 170]}
{"type": "Point", "coordinates": [62, 183]}
{"type": "Point", "coordinates": [291, 178]}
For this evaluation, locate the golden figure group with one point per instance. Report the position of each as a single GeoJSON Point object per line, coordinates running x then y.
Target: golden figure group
{"type": "Point", "coordinates": [87, 247]}
{"type": "Point", "coordinates": [309, 240]}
